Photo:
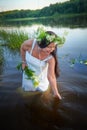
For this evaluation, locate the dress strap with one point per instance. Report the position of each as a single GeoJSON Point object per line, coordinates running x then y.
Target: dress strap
{"type": "Point", "coordinates": [33, 44]}
{"type": "Point", "coordinates": [49, 57]}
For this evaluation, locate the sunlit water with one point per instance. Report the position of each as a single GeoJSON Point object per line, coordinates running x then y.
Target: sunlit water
{"type": "Point", "coordinates": [29, 111]}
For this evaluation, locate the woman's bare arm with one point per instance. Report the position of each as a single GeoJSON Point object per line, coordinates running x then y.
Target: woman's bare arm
{"type": "Point", "coordinates": [52, 77]}
{"type": "Point", "coordinates": [26, 46]}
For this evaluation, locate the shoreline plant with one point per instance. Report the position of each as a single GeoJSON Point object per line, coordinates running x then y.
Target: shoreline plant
{"type": "Point", "coordinates": [30, 75]}
{"type": "Point", "coordinates": [13, 39]}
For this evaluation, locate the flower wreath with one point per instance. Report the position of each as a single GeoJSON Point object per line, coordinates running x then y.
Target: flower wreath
{"type": "Point", "coordinates": [42, 34]}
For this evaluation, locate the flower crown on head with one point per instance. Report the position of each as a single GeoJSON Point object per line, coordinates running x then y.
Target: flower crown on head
{"type": "Point", "coordinates": [42, 34]}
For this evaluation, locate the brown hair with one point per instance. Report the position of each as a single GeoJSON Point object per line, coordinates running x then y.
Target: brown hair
{"type": "Point", "coordinates": [54, 54]}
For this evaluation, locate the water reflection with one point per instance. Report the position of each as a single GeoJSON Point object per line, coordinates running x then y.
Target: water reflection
{"type": "Point", "coordinates": [2, 60]}
{"type": "Point", "coordinates": [73, 22]}
{"type": "Point", "coordinates": [37, 110]}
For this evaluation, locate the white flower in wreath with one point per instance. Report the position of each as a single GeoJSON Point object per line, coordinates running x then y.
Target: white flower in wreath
{"type": "Point", "coordinates": [50, 38]}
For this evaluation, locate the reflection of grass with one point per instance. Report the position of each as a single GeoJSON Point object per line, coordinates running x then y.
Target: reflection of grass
{"type": "Point", "coordinates": [24, 19]}
{"type": "Point", "coordinates": [1, 56]}
{"type": "Point", "coordinates": [13, 39]}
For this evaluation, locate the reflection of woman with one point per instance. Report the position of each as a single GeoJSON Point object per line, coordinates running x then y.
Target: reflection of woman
{"type": "Point", "coordinates": [40, 56]}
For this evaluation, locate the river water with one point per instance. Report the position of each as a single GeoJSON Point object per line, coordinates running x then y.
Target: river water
{"type": "Point", "coordinates": [28, 111]}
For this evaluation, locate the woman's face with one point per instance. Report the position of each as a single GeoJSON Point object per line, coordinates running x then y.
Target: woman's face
{"type": "Point", "coordinates": [50, 48]}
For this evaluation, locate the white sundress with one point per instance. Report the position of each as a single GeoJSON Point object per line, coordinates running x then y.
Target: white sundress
{"type": "Point", "coordinates": [40, 67]}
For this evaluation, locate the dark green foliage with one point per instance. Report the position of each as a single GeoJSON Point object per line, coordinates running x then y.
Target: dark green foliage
{"type": "Point", "coordinates": [69, 7]}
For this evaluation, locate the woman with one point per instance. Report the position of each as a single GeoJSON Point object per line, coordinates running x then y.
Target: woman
{"type": "Point", "coordinates": [40, 55]}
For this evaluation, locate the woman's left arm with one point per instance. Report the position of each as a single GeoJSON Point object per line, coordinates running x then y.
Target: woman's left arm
{"type": "Point", "coordinates": [52, 78]}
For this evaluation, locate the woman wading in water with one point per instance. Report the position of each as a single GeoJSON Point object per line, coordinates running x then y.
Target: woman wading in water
{"type": "Point", "coordinates": [39, 55]}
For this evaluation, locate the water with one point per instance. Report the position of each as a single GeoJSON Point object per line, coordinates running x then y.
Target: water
{"type": "Point", "coordinates": [27, 110]}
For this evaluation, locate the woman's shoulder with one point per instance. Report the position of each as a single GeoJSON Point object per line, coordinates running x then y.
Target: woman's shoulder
{"type": "Point", "coordinates": [28, 42]}
{"type": "Point", "coordinates": [51, 59]}
{"type": "Point", "coordinates": [26, 45]}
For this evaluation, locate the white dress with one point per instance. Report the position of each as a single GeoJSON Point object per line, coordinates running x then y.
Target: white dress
{"type": "Point", "coordinates": [40, 67]}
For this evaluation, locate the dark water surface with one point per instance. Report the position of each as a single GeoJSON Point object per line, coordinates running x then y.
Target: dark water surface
{"type": "Point", "coordinates": [28, 111]}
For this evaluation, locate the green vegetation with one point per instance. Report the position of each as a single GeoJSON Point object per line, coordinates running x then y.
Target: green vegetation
{"type": "Point", "coordinates": [80, 60]}
{"type": "Point", "coordinates": [13, 39]}
{"type": "Point", "coordinates": [30, 74]}
{"type": "Point", "coordinates": [67, 8]}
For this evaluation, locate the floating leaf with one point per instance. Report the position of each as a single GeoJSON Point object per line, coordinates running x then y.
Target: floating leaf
{"type": "Point", "coordinates": [85, 62]}
{"type": "Point", "coordinates": [73, 61]}
{"type": "Point", "coordinates": [81, 61]}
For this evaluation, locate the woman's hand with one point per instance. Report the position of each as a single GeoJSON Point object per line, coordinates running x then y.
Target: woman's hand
{"type": "Point", "coordinates": [23, 66]}
{"type": "Point", "coordinates": [52, 78]}
{"type": "Point", "coordinates": [58, 96]}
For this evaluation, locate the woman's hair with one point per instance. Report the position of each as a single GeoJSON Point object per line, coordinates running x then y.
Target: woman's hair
{"type": "Point", "coordinates": [44, 44]}
{"type": "Point", "coordinates": [54, 54]}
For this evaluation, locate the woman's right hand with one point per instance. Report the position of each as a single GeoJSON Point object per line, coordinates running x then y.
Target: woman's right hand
{"type": "Point", "coordinates": [23, 66]}
{"type": "Point", "coordinates": [58, 96]}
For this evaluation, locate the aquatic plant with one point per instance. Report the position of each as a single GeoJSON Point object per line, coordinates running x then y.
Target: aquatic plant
{"type": "Point", "coordinates": [73, 61]}
{"type": "Point", "coordinates": [30, 74]}
{"type": "Point", "coordinates": [13, 39]}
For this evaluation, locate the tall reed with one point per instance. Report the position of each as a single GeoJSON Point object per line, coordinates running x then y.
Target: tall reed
{"type": "Point", "coordinates": [13, 39]}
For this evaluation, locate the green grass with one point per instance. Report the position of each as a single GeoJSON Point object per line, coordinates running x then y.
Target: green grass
{"type": "Point", "coordinates": [13, 39]}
